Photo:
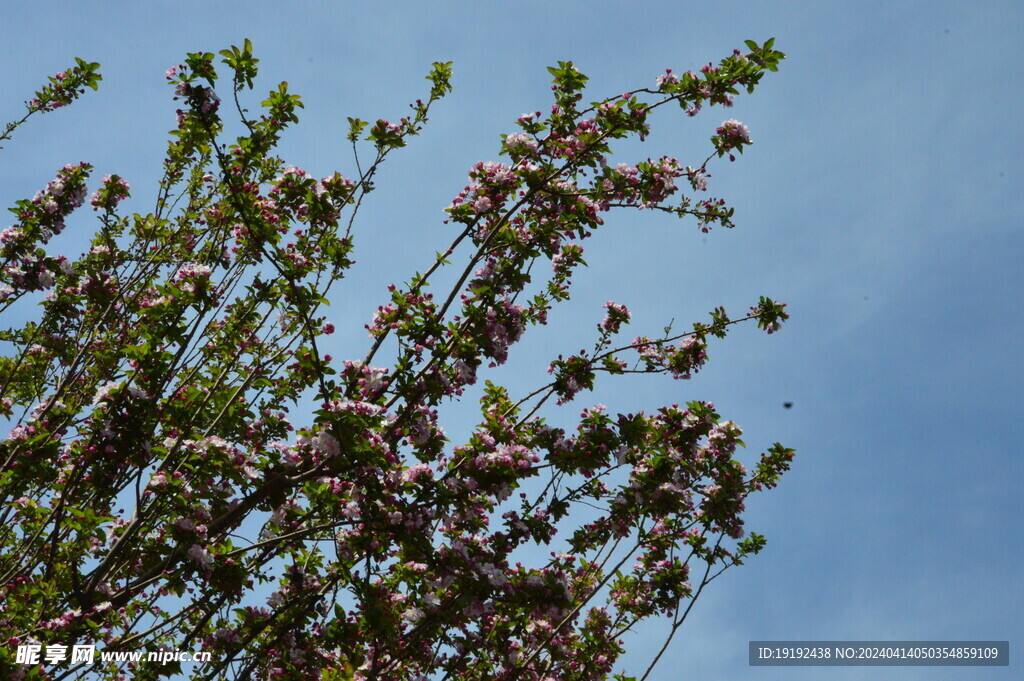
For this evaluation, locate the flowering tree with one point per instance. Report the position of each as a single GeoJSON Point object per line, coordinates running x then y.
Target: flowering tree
{"type": "Point", "coordinates": [155, 495]}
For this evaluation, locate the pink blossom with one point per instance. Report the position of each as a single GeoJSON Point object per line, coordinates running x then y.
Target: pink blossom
{"type": "Point", "coordinates": [114, 190]}
{"type": "Point", "coordinates": [734, 129]}
{"type": "Point", "coordinates": [666, 78]}
{"type": "Point", "coordinates": [327, 444]}
{"type": "Point", "coordinates": [482, 205]}
{"type": "Point", "coordinates": [617, 314]}
{"type": "Point", "coordinates": [520, 141]}
{"type": "Point", "coordinates": [201, 556]}
{"type": "Point", "coordinates": [413, 615]}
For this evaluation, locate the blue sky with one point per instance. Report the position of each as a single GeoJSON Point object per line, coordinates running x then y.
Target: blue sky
{"type": "Point", "coordinates": [878, 201]}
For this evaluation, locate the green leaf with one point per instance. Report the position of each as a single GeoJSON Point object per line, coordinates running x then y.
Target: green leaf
{"type": "Point", "coordinates": [355, 129]}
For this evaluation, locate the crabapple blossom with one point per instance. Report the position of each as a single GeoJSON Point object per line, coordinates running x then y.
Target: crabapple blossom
{"type": "Point", "coordinates": [187, 463]}
{"type": "Point", "coordinates": [734, 129]}
{"type": "Point", "coordinates": [201, 556]}
{"type": "Point", "coordinates": [114, 190]}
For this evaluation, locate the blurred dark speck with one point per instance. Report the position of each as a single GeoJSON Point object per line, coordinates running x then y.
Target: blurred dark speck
{"type": "Point", "coordinates": [787, 405]}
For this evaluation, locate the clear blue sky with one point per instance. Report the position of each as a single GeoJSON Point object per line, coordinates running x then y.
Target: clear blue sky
{"type": "Point", "coordinates": [879, 201]}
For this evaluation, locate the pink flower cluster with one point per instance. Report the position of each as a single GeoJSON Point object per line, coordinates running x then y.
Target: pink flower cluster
{"type": "Point", "coordinates": [616, 316]}
{"type": "Point", "coordinates": [114, 190]}
{"type": "Point", "coordinates": [490, 184]}
{"type": "Point", "coordinates": [734, 130]}
{"type": "Point", "coordinates": [65, 87]}
{"type": "Point", "coordinates": [681, 361]}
